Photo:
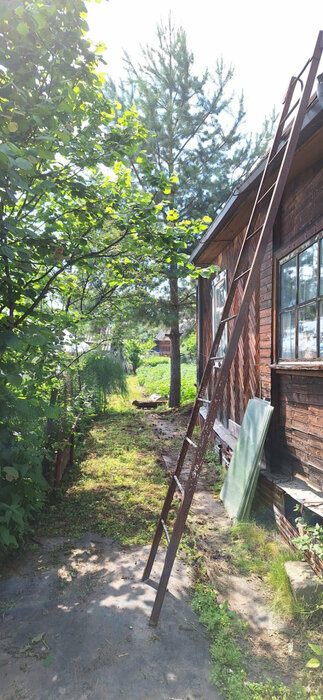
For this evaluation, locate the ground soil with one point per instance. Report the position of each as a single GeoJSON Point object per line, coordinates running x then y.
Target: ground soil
{"type": "Point", "coordinates": [75, 625]}
{"type": "Point", "coordinates": [74, 612]}
{"type": "Point", "coordinates": [274, 646]}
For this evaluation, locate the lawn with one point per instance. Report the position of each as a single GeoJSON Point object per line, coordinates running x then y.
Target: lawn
{"type": "Point", "coordinates": [154, 376]}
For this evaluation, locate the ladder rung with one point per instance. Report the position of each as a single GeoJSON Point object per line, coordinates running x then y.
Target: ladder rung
{"type": "Point", "coordinates": [242, 274]}
{"type": "Point", "coordinates": [290, 112]}
{"type": "Point", "coordinates": [280, 150]}
{"type": "Point", "coordinates": [225, 320]}
{"type": "Point", "coordinates": [303, 69]}
{"type": "Point", "coordinates": [199, 398]}
{"type": "Point", "coordinates": [266, 193]}
{"type": "Point", "coordinates": [217, 358]}
{"type": "Point", "coordinates": [254, 232]}
{"type": "Point", "coordinates": [165, 530]}
{"type": "Point", "coordinates": [178, 484]}
{"type": "Point", "coordinates": [191, 442]}
{"type": "Point", "coordinates": [271, 206]}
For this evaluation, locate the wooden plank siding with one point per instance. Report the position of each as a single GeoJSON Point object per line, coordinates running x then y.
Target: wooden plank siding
{"type": "Point", "coordinates": [295, 438]}
{"type": "Point", "coordinates": [244, 375]}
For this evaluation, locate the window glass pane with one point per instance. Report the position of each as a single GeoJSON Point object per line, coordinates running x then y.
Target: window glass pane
{"type": "Point", "coordinates": [219, 297]}
{"type": "Point", "coordinates": [321, 328]}
{"type": "Point", "coordinates": [288, 284]}
{"type": "Point", "coordinates": [321, 271]}
{"type": "Point", "coordinates": [287, 334]}
{"type": "Point", "coordinates": [308, 273]}
{"type": "Point", "coordinates": [307, 331]}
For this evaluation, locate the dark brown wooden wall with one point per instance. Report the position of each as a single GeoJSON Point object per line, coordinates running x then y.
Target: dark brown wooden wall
{"type": "Point", "coordinates": [297, 428]}
{"type": "Point", "coordinates": [164, 347]}
{"type": "Point", "coordinates": [299, 395]}
{"type": "Point", "coordinates": [300, 426]}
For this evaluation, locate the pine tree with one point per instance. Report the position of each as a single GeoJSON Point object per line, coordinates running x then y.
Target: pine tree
{"type": "Point", "coordinates": [195, 136]}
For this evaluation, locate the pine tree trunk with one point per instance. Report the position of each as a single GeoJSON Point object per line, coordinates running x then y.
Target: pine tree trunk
{"type": "Point", "coordinates": [175, 359]}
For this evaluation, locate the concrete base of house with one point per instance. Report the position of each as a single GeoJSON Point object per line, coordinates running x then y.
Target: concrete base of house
{"type": "Point", "coordinates": [305, 585]}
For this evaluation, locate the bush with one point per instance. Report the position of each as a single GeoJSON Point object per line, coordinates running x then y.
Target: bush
{"type": "Point", "coordinates": [189, 346]}
{"type": "Point", "coordinates": [104, 373]}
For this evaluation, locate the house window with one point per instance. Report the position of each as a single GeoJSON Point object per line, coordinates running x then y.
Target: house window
{"type": "Point", "coordinates": [219, 295]}
{"type": "Point", "coordinates": [301, 303]}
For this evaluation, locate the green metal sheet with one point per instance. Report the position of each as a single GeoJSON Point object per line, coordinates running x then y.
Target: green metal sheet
{"type": "Point", "coordinates": [241, 480]}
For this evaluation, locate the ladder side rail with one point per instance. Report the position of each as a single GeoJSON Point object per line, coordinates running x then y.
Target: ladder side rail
{"type": "Point", "coordinates": [262, 242]}
{"type": "Point", "coordinates": [232, 289]}
{"type": "Point", "coordinates": [261, 246]}
{"type": "Point", "coordinates": [280, 128]}
{"type": "Point", "coordinates": [272, 208]}
{"type": "Point", "coordinates": [216, 342]}
{"type": "Point", "coordinates": [240, 320]}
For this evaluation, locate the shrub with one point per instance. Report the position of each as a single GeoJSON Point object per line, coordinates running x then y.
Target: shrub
{"type": "Point", "coordinates": [105, 374]}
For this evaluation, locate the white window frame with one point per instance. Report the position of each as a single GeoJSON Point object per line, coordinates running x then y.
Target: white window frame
{"type": "Point", "coordinates": [219, 280]}
{"type": "Point", "coordinates": [298, 305]}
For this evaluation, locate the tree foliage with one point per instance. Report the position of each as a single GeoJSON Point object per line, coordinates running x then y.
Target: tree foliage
{"type": "Point", "coordinates": [195, 138]}
{"type": "Point", "coordinates": [74, 232]}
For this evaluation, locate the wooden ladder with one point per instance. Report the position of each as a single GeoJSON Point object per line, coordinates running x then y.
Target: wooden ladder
{"type": "Point", "coordinates": [269, 196]}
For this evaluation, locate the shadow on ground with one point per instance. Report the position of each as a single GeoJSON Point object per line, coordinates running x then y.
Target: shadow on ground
{"type": "Point", "coordinates": [74, 624]}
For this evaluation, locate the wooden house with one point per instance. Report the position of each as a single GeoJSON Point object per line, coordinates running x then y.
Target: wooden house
{"type": "Point", "coordinates": [280, 353]}
{"type": "Point", "coordinates": [163, 343]}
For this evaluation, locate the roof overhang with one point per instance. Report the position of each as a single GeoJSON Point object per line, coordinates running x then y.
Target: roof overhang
{"type": "Point", "coordinates": [241, 200]}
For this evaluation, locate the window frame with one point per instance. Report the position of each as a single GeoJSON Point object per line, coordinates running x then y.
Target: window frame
{"type": "Point", "coordinates": [220, 278]}
{"type": "Point", "coordinates": [317, 299]}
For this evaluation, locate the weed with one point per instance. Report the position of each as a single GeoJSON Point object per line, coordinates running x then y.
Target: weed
{"type": "Point", "coordinates": [215, 472]}
{"type": "Point", "coordinates": [282, 599]}
{"type": "Point", "coordinates": [118, 487]}
{"type": "Point", "coordinates": [255, 549]}
{"type": "Point", "coordinates": [229, 670]}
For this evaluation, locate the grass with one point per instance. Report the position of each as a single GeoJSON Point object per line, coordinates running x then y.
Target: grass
{"type": "Point", "coordinates": [260, 550]}
{"type": "Point", "coordinates": [229, 653]}
{"type": "Point", "coordinates": [118, 487]}
{"type": "Point", "coordinates": [154, 375]}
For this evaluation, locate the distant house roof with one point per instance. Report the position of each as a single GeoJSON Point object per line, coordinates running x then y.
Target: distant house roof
{"type": "Point", "coordinates": [162, 335]}
{"type": "Point", "coordinates": [313, 120]}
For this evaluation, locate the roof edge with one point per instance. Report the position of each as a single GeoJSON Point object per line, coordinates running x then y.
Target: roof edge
{"type": "Point", "coordinates": [238, 196]}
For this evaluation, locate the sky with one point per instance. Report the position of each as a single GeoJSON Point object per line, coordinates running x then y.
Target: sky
{"type": "Point", "coordinates": [266, 42]}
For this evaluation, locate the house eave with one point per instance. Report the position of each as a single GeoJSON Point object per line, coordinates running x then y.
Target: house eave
{"type": "Point", "coordinates": [313, 120]}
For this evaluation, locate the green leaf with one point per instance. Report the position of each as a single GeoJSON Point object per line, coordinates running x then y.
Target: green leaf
{"type": "Point", "coordinates": [317, 650]}
{"type": "Point", "coordinates": [65, 137]}
{"type": "Point", "coordinates": [38, 638]}
{"type": "Point", "coordinates": [40, 20]}
{"type": "Point", "coordinates": [5, 535]}
{"type": "Point", "coordinates": [10, 339]}
{"type": "Point", "coordinates": [22, 28]}
{"type": "Point", "coordinates": [11, 473]}
{"type": "Point", "coordinates": [52, 411]}
{"type": "Point", "coordinates": [14, 378]}
{"type": "Point", "coordinates": [313, 663]}
{"type": "Point", "coordinates": [49, 660]}
{"type": "Point", "coordinates": [23, 163]}
{"type": "Point", "coordinates": [36, 339]}
{"type": "Point", "coordinates": [4, 159]}
{"type": "Point", "coordinates": [20, 11]}
{"type": "Point", "coordinates": [8, 251]}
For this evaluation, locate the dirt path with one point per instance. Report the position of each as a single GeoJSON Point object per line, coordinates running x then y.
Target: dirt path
{"type": "Point", "coordinates": [74, 612]}
{"type": "Point", "coordinates": [75, 625]}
